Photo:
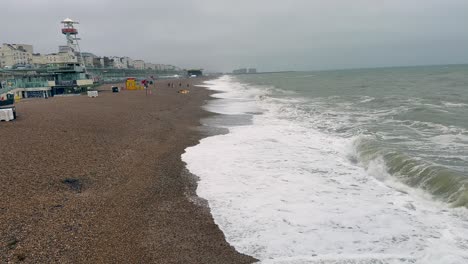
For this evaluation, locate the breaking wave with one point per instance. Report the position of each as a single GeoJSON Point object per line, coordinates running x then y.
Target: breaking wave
{"type": "Point", "coordinates": [442, 183]}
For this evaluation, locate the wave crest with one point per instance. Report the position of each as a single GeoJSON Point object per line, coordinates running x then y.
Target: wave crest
{"type": "Point", "coordinates": [442, 183]}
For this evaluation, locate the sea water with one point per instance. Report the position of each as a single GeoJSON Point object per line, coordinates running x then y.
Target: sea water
{"type": "Point", "coordinates": [352, 166]}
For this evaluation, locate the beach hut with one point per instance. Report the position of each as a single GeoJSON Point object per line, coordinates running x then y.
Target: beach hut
{"type": "Point", "coordinates": [132, 84]}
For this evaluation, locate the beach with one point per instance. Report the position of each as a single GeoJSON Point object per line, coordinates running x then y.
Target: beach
{"type": "Point", "coordinates": [100, 180]}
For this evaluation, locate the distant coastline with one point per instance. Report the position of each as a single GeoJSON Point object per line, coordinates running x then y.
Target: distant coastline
{"type": "Point", "coordinates": [360, 68]}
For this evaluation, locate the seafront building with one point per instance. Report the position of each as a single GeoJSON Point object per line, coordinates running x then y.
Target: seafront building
{"type": "Point", "coordinates": [57, 59]}
{"type": "Point", "coordinates": [21, 55]}
{"type": "Point", "coordinates": [119, 62]}
{"type": "Point", "coordinates": [245, 71]}
{"type": "Point", "coordinates": [38, 60]}
{"type": "Point", "coordinates": [27, 74]}
{"type": "Point", "coordinates": [98, 62]}
{"type": "Point", "coordinates": [88, 59]}
{"type": "Point", "coordinates": [15, 54]}
{"type": "Point", "coordinates": [240, 71]}
{"type": "Point", "coordinates": [139, 64]}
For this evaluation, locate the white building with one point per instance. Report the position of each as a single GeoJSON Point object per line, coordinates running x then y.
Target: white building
{"type": "Point", "coordinates": [129, 61]}
{"type": "Point", "coordinates": [126, 61]}
{"type": "Point", "coordinates": [15, 54]}
{"type": "Point", "coordinates": [39, 59]}
{"type": "Point", "coordinates": [165, 67]}
{"type": "Point", "coordinates": [88, 59]}
{"type": "Point", "coordinates": [139, 64]}
{"type": "Point", "coordinates": [61, 58]}
{"type": "Point", "coordinates": [118, 62]}
{"type": "Point", "coordinates": [98, 62]}
{"type": "Point", "coordinates": [150, 66]}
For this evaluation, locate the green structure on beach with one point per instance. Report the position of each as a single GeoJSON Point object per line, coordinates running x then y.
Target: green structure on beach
{"type": "Point", "coordinates": [42, 82]}
{"type": "Point", "coordinates": [195, 72]}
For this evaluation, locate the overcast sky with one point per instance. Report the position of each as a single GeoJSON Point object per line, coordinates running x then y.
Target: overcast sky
{"type": "Point", "coordinates": [220, 35]}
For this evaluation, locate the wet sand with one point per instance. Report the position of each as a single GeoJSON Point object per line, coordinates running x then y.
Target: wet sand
{"type": "Point", "coordinates": [100, 180]}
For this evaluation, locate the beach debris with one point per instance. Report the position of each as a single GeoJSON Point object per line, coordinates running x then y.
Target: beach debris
{"type": "Point", "coordinates": [57, 206]}
{"type": "Point", "coordinates": [92, 94]}
{"type": "Point", "coordinates": [74, 184]}
{"type": "Point", "coordinates": [11, 244]}
{"type": "Point", "coordinates": [20, 257]}
{"type": "Point", "coordinates": [183, 91]}
{"type": "Point", "coordinates": [6, 114]}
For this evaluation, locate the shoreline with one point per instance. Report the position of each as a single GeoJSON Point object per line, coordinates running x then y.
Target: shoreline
{"type": "Point", "coordinates": [101, 180]}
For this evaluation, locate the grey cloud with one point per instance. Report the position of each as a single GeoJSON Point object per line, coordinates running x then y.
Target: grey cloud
{"type": "Point", "coordinates": [270, 35]}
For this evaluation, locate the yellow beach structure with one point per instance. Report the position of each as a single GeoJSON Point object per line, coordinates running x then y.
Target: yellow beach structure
{"type": "Point", "coordinates": [132, 84]}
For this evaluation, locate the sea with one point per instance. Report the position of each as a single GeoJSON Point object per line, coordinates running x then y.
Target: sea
{"type": "Point", "coordinates": [345, 166]}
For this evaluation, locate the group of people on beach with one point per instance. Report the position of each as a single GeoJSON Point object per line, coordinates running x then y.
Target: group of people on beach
{"type": "Point", "coordinates": [172, 85]}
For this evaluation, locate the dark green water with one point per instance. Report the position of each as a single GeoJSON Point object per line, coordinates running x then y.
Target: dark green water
{"type": "Point", "coordinates": [413, 121]}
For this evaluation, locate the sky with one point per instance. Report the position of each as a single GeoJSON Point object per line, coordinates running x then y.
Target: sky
{"type": "Point", "coordinates": [273, 35]}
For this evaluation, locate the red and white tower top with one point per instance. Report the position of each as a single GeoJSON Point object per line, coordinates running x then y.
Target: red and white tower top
{"type": "Point", "coordinates": [68, 28]}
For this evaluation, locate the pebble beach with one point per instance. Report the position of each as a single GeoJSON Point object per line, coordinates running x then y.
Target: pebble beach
{"type": "Point", "coordinates": [100, 180]}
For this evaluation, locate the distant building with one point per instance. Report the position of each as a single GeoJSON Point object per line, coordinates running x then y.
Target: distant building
{"type": "Point", "coordinates": [159, 67]}
{"type": "Point", "coordinates": [150, 66]}
{"type": "Point", "coordinates": [98, 62]}
{"type": "Point", "coordinates": [39, 59]}
{"type": "Point", "coordinates": [139, 64]}
{"type": "Point", "coordinates": [117, 63]}
{"type": "Point", "coordinates": [12, 55]}
{"type": "Point", "coordinates": [240, 71]}
{"type": "Point", "coordinates": [127, 62]}
{"type": "Point", "coordinates": [245, 71]}
{"type": "Point", "coordinates": [61, 58]}
{"type": "Point", "coordinates": [108, 62]}
{"type": "Point", "coordinates": [88, 59]}
{"type": "Point", "coordinates": [162, 67]}
{"type": "Point", "coordinates": [15, 54]}
{"type": "Point", "coordinates": [25, 47]}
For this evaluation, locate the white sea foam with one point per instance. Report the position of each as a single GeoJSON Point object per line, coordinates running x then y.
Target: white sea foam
{"type": "Point", "coordinates": [233, 98]}
{"type": "Point", "coordinates": [367, 99]}
{"type": "Point", "coordinates": [450, 104]}
{"type": "Point", "coordinates": [285, 193]}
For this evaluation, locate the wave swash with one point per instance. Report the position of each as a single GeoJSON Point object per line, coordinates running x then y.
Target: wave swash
{"type": "Point", "coordinates": [317, 176]}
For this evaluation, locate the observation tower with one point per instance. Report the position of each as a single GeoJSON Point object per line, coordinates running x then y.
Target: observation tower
{"type": "Point", "coordinates": [70, 33]}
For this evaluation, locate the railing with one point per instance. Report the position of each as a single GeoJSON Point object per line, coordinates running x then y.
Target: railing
{"type": "Point", "coordinates": [33, 85]}
{"type": "Point", "coordinates": [20, 84]}
{"type": "Point", "coordinates": [65, 68]}
{"type": "Point", "coordinates": [6, 89]}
